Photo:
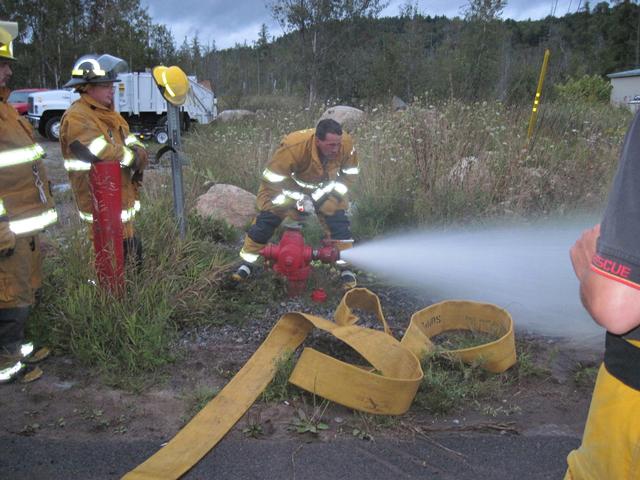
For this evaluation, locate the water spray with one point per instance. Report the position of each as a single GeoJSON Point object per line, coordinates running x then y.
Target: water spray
{"type": "Point", "coordinates": [524, 269]}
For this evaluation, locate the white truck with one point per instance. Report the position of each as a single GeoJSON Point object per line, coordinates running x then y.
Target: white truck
{"type": "Point", "coordinates": [138, 100]}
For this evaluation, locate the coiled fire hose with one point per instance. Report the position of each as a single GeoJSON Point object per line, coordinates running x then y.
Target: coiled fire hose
{"type": "Point", "coordinates": [388, 388]}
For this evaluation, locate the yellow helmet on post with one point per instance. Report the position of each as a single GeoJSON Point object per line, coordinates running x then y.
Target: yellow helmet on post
{"type": "Point", "coordinates": [8, 31]}
{"type": "Point", "coordinates": [173, 83]}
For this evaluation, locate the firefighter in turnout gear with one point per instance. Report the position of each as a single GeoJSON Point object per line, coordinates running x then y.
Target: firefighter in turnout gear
{"type": "Point", "coordinates": [92, 131]}
{"type": "Point", "coordinates": [314, 167]}
{"type": "Point", "coordinates": [606, 260]}
{"type": "Point", "coordinates": [26, 208]}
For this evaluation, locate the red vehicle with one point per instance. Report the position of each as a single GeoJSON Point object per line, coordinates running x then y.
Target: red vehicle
{"type": "Point", "coordinates": [20, 98]}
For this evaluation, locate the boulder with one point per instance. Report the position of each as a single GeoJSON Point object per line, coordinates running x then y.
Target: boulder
{"type": "Point", "coordinates": [397, 104]}
{"type": "Point", "coordinates": [348, 117]}
{"type": "Point", "coordinates": [227, 202]}
{"type": "Point", "coordinates": [234, 115]}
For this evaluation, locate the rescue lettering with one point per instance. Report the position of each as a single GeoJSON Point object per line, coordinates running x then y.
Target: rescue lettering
{"type": "Point", "coordinates": [611, 267]}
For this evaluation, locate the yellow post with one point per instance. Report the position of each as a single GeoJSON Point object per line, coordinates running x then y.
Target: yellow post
{"type": "Point", "coordinates": [536, 101]}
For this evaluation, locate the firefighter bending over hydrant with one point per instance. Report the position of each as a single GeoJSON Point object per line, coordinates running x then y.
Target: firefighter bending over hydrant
{"type": "Point", "coordinates": [92, 131]}
{"type": "Point", "coordinates": [26, 207]}
{"type": "Point", "coordinates": [311, 169]}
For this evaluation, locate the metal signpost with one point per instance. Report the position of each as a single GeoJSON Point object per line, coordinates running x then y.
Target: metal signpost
{"type": "Point", "coordinates": [174, 86]}
{"type": "Point", "coordinates": [173, 124]}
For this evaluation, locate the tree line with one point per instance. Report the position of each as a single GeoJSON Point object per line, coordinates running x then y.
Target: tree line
{"type": "Point", "coordinates": [339, 49]}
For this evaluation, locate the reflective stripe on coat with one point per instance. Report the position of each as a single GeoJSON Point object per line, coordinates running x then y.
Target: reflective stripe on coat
{"type": "Point", "coordinates": [27, 203]}
{"type": "Point", "coordinates": [295, 168]}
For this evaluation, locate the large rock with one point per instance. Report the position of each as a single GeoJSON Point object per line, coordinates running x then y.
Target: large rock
{"type": "Point", "coordinates": [348, 117]}
{"type": "Point", "coordinates": [397, 104]}
{"type": "Point", "coordinates": [227, 202]}
{"type": "Point", "coordinates": [234, 115]}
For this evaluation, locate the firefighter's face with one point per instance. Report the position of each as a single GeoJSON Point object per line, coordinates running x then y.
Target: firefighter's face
{"type": "Point", "coordinates": [101, 93]}
{"type": "Point", "coordinates": [330, 146]}
{"type": "Point", "coordinates": [5, 73]}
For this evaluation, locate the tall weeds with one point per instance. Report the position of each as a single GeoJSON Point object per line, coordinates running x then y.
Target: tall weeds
{"type": "Point", "coordinates": [432, 164]}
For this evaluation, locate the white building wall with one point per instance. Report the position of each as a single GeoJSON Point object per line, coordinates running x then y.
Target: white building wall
{"type": "Point", "coordinates": [624, 89]}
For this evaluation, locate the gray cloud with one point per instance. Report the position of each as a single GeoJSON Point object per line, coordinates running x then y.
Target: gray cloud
{"type": "Point", "coordinates": [228, 22]}
{"type": "Point", "coordinates": [223, 21]}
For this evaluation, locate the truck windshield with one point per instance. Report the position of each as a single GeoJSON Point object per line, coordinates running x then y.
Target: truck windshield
{"type": "Point", "coordinates": [18, 97]}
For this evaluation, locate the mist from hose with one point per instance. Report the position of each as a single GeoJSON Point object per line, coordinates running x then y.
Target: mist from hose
{"type": "Point", "coordinates": [523, 269]}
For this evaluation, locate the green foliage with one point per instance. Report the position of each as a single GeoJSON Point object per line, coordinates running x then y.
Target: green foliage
{"type": "Point", "coordinates": [303, 423]}
{"type": "Point", "coordinates": [365, 424]}
{"type": "Point", "coordinates": [55, 33]}
{"type": "Point", "coordinates": [211, 229]}
{"type": "Point", "coordinates": [122, 336]}
{"type": "Point", "coordinates": [460, 339]}
{"type": "Point", "coordinates": [338, 51]}
{"type": "Point", "coordinates": [527, 366]}
{"type": "Point", "coordinates": [128, 337]}
{"type": "Point", "coordinates": [253, 429]}
{"type": "Point", "coordinates": [197, 400]}
{"type": "Point", "coordinates": [439, 163]}
{"type": "Point", "coordinates": [584, 375]}
{"type": "Point", "coordinates": [588, 88]}
{"type": "Point", "coordinates": [436, 163]}
{"type": "Point", "coordinates": [254, 103]}
{"type": "Point", "coordinates": [279, 389]}
{"type": "Point", "coordinates": [449, 383]}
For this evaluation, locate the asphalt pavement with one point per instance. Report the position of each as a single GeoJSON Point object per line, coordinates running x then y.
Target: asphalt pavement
{"type": "Point", "coordinates": [441, 456]}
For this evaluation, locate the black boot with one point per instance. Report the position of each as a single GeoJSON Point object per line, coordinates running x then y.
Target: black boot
{"type": "Point", "coordinates": [242, 273]}
{"type": "Point", "coordinates": [12, 324]}
{"type": "Point", "coordinates": [348, 279]}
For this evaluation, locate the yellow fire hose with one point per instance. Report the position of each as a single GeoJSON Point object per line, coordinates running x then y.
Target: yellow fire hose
{"type": "Point", "coordinates": [387, 389]}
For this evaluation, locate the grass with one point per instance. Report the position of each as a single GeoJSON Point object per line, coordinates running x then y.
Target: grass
{"type": "Point", "coordinates": [197, 400]}
{"type": "Point", "coordinates": [280, 389]}
{"type": "Point", "coordinates": [460, 339]}
{"type": "Point", "coordinates": [432, 164]}
{"type": "Point", "coordinates": [449, 383]}
{"type": "Point", "coordinates": [584, 375]}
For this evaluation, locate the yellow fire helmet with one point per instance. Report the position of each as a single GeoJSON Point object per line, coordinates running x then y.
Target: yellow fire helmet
{"type": "Point", "coordinates": [8, 31]}
{"type": "Point", "coordinates": [173, 83]}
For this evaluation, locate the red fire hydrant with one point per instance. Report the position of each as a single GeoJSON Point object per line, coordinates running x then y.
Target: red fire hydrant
{"type": "Point", "coordinates": [291, 259]}
{"type": "Point", "coordinates": [107, 225]}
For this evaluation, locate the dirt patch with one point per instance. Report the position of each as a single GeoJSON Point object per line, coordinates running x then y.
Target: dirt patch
{"type": "Point", "coordinates": [71, 401]}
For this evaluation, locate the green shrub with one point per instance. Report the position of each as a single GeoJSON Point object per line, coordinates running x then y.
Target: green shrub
{"type": "Point", "coordinates": [588, 88]}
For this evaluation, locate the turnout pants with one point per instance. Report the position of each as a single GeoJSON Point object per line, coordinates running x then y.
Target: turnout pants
{"type": "Point", "coordinates": [611, 443]}
{"type": "Point", "coordinates": [20, 277]}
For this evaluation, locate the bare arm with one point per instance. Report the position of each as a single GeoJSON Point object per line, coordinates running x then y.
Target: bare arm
{"type": "Point", "coordinates": [612, 304]}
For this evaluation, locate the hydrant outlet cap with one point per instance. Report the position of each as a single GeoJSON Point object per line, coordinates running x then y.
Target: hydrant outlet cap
{"type": "Point", "coordinates": [318, 295]}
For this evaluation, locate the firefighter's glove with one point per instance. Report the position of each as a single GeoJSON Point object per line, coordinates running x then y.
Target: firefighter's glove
{"type": "Point", "coordinates": [141, 158]}
{"type": "Point", "coordinates": [305, 206]}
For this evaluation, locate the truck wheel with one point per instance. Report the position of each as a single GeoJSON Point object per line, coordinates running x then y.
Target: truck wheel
{"type": "Point", "coordinates": [162, 137]}
{"type": "Point", "coordinates": [52, 129]}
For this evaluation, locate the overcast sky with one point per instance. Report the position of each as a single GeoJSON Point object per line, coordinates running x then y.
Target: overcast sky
{"type": "Point", "coordinates": [228, 22]}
